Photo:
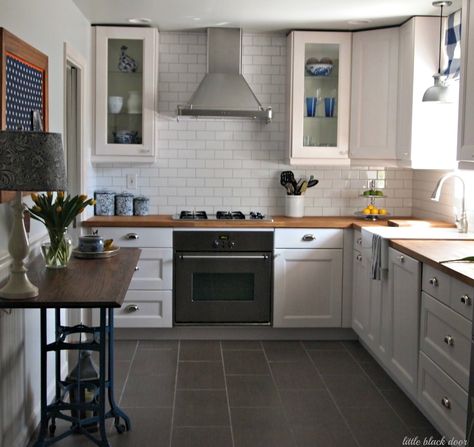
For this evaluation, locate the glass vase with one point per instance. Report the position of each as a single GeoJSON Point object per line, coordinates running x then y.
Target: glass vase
{"type": "Point", "coordinates": [57, 251]}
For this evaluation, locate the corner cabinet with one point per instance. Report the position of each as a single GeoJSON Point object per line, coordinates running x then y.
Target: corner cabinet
{"type": "Point", "coordinates": [466, 96]}
{"type": "Point", "coordinates": [126, 83]}
{"type": "Point", "coordinates": [320, 78]}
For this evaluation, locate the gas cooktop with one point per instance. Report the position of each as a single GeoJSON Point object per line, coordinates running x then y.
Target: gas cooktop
{"type": "Point", "coordinates": [222, 215]}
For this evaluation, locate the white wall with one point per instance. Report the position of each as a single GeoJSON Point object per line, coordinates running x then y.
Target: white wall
{"type": "Point", "coordinates": [46, 25]}
{"type": "Point", "coordinates": [235, 164]}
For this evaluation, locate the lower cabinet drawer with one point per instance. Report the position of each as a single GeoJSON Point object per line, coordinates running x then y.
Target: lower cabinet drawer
{"type": "Point", "coordinates": [145, 308]}
{"type": "Point", "coordinates": [445, 337]}
{"type": "Point", "coordinates": [442, 399]}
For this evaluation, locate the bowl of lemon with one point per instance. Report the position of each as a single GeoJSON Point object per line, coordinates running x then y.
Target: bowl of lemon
{"type": "Point", "coordinates": [371, 212]}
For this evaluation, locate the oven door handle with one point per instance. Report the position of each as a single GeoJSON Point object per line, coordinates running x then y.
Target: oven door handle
{"type": "Point", "coordinates": [224, 257]}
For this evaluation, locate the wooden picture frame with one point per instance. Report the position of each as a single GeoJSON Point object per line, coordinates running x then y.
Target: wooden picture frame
{"type": "Point", "coordinates": [19, 58]}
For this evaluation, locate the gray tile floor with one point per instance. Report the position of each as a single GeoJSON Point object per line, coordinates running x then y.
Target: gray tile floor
{"type": "Point", "coordinates": [258, 394]}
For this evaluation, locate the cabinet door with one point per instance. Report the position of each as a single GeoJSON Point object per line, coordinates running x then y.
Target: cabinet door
{"type": "Point", "coordinates": [374, 94]}
{"type": "Point", "coordinates": [466, 96]}
{"type": "Point", "coordinates": [125, 94]}
{"type": "Point", "coordinates": [404, 317]}
{"type": "Point", "coordinates": [319, 97]}
{"type": "Point", "coordinates": [307, 288]}
{"type": "Point", "coordinates": [154, 270]}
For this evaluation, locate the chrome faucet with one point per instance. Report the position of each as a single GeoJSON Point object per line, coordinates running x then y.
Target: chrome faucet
{"type": "Point", "coordinates": [461, 220]}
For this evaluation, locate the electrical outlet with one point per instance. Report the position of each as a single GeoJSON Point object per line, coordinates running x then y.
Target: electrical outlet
{"type": "Point", "coordinates": [131, 181]}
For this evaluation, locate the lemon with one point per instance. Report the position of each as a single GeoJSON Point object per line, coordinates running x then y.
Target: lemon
{"type": "Point", "coordinates": [382, 211]}
{"type": "Point", "coordinates": [374, 211]}
{"type": "Point", "coordinates": [370, 207]}
{"type": "Point", "coordinates": [366, 211]}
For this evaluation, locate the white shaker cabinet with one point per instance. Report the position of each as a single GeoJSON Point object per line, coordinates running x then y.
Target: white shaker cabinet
{"type": "Point", "coordinates": [374, 95]}
{"type": "Point", "coordinates": [308, 281]}
{"type": "Point", "coordinates": [403, 313]}
{"type": "Point", "coordinates": [149, 299]}
{"type": "Point", "coordinates": [126, 86]}
{"type": "Point", "coordinates": [466, 96]}
{"type": "Point", "coordinates": [319, 134]}
{"type": "Point", "coordinates": [426, 131]}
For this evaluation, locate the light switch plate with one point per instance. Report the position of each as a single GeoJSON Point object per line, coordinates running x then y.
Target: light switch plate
{"type": "Point", "coordinates": [131, 181]}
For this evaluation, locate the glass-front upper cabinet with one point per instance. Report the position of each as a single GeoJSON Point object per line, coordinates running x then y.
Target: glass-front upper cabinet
{"type": "Point", "coordinates": [319, 97]}
{"type": "Point", "coordinates": [125, 99]}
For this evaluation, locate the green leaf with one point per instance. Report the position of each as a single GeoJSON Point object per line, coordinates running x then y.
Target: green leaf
{"type": "Point", "coordinates": [466, 259]}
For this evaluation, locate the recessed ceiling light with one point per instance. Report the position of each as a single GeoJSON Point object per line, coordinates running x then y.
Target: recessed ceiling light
{"type": "Point", "coordinates": [140, 21]}
{"type": "Point", "coordinates": [359, 22]}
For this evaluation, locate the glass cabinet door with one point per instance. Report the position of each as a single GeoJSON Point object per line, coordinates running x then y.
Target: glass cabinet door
{"type": "Point", "coordinates": [319, 96]}
{"type": "Point", "coordinates": [124, 91]}
{"type": "Point", "coordinates": [126, 84]}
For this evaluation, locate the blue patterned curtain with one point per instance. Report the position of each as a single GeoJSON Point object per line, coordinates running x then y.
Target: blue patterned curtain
{"type": "Point", "coordinates": [453, 45]}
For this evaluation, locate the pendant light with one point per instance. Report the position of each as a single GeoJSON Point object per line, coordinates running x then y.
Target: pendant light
{"type": "Point", "coordinates": [440, 90]}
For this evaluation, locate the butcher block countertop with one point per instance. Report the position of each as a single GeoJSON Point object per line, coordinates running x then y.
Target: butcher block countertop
{"type": "Point", "coordinates": [433, 252]}
{"type": "Point", "coordinates": [278, 222]}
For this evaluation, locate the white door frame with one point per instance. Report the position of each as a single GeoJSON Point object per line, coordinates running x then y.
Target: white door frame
{"type": "Point", "coordinates": [75, 59]}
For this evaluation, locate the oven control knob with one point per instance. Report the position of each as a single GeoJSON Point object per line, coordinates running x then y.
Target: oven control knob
{"type": "Point", "coordinates": [215, 243]}
{"type": "Point", "coordinates": [231, 244]}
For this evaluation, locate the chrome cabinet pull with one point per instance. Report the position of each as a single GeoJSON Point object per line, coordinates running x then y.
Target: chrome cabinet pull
{"type": "Point", "coordinates": [467, 300]}
{"type": "Point", "coordinates": [446, 403]}
{"type": "Point", "coordinates": [359, 257]}
{"type": "Point", "coordinates": [401, 258]}
{"type": "Point", "coordinates": [308, 237]}
{"type": "Point", "coordinates": [449, 340]}
{"type": "Point", "coordinates": [132, 236]}
{"type": "Point", "coordinates": [359, 241]}
{"type": "Point", "coordinates": [434, 282]}
{"type": "Point", "coordinates": [131, 308]}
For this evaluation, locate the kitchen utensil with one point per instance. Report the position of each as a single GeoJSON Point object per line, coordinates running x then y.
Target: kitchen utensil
{"type": "Point", "coordinates": [312, 183]}
{"type": "Point", "coordinates": [303, 188]}
{"type": "Point", "coordinates": [288, 177]}
{"type": "Point", "coordinates": [298, 185]}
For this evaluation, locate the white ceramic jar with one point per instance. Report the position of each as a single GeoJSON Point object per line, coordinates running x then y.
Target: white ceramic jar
{"type": "Point", "coordinates": [134, 102]}
{"type": "Point", "coordinates": [115, 104]}
{"type": "Point", "coordinates": [294, 206]}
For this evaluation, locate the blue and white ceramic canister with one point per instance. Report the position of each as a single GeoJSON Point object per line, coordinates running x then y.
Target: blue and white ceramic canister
{"type": "Point", "coordinates": [141, 206]}
{"type": "Point", "coordinates": [105, 203]}
{"type": "Point", "coordinates": [124, 204]}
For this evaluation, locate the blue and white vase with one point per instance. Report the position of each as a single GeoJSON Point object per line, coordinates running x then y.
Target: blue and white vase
{"type": "Point", "coordinates": [126, 63]}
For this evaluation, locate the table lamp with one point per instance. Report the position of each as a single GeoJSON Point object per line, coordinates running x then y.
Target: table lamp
{"type": "Point", "coordinates": [29, 161]}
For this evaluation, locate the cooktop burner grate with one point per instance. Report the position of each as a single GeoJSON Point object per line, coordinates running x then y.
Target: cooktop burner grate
{"type": "Point", "coordinates": [193, 215]}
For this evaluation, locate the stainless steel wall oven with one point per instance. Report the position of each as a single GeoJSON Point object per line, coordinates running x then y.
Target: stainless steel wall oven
{"type": "Point", "coordinates": [223, 277]}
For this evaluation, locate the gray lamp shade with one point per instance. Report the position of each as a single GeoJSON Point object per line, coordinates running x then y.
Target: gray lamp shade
{"type": "Point", "coordinates": [31, 161]}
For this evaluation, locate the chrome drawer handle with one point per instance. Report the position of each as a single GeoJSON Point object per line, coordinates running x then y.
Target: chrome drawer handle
{"type": "Point", "coordinates": [401, 258]}
{"type": "Point", "coordinates": [132, 236]}
{"type": "Point", "coordinates": [446, 403]}
{"type": "Point", "coordinates": [308, 237]}
{"type": "Point", "coordinates": [137, 268]}
{"type": "Point", "coordinates": [359, 241]}
{"type": "Point", "coordinates": [359, 257]}
{"type": "Point", "coordinates": [449, 340]}
{"type": "Point", "coordinates": [131, 308]}
{"type": "Point", "coordinates": [466, 299]}
{"type": "Point", "coordinates": [434, 282]}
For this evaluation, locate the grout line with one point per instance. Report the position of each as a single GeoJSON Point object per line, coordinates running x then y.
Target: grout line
{"type": "Point", "coordinates": [122, 392]}
{"type": "Point", "coordinates": [331, 395]}
{"type": "Point", "coordinates": [174, 394]}
{"type": "Point", "coordinates": [227, 395]}
{"type": "Point", "coordinates": [290, 428]}
{"type": "Point", "coordinates": [379, 390]}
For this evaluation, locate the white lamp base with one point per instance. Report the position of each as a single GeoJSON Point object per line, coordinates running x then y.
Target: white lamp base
{"type": "Point", "coordinates": [18, 286]}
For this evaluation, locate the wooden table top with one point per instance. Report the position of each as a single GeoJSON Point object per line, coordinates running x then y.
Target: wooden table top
{"type": "Point", "coordinates": [83, 283]}
{"type": "Point", "coordinates": [433, 252]}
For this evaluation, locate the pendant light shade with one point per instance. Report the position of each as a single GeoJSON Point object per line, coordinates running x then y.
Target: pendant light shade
{"type": "Point", "coordinates": [440, 90]}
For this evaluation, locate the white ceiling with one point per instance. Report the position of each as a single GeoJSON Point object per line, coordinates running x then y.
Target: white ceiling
{"type": "Point", "coordinates": [258, 15]}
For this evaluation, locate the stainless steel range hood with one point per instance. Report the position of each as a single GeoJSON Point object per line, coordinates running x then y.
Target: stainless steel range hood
{"type": "Point", "coordinates": [224, 92]}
